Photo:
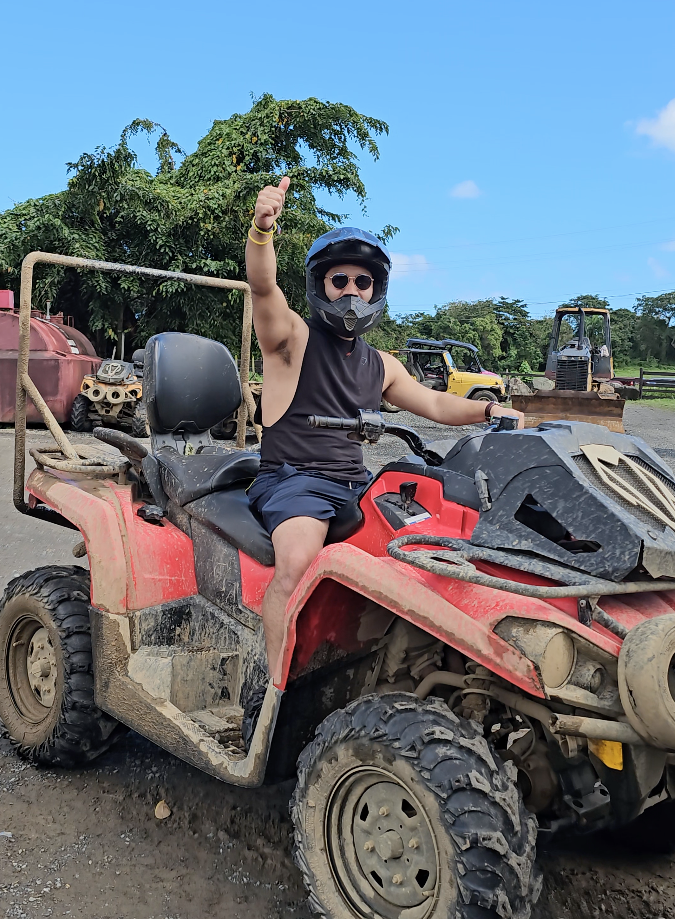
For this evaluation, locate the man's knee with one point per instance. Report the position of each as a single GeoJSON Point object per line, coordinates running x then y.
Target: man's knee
{"type": "Point", "coordinates": [291, 565]}
{"type": "Point", "coordinates": [296, 545]}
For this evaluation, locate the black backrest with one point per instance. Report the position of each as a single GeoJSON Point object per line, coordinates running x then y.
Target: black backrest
{"type": "Point", "coordinates": [189, 383]}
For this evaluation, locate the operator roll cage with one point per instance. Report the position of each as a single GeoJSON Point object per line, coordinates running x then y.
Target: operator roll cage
{"type": "Point", "coordinates": [25, 387]}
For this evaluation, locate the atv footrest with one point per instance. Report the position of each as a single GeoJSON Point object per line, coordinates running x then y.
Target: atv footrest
{"type": "Point", "coordinates": [591, 807]}
{"type": "Point", "coordinates": [222, 723]}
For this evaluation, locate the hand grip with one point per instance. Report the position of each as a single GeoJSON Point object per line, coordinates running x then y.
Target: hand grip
{"type": "Point", "coordinates": [326, 421]}
{"type": "Point", "coordinates": [507, 423]}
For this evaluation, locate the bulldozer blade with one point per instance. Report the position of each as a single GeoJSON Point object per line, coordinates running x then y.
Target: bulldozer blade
{"type": "Point", "coordinates": [565, 405]}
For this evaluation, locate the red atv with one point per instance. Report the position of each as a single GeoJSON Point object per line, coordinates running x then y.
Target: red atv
{"type": "Point", "coordinates": [484, 649]}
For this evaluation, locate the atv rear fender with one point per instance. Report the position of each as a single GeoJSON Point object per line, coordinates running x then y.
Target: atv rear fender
{"type": "Point", "coordinates": [134, 564]}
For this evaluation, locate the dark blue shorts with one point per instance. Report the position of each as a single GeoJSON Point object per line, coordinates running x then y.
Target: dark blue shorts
{"type": "Point", "coordinates": [286, 493]}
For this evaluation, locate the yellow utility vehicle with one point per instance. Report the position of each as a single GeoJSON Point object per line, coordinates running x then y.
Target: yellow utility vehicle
{"type": "Point", "coordinates": [451, 366]}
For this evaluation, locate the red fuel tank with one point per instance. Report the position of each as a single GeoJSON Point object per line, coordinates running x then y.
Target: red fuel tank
{"type": "Point", "coordinates": [60, 356]}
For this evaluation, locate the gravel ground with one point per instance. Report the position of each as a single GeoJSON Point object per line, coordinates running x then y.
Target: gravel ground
{"type": "Point", "coordinates": [86, 842]}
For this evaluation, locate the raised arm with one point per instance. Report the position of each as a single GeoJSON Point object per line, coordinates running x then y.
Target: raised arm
{"type": "Point", "coordinates": [274, 321]}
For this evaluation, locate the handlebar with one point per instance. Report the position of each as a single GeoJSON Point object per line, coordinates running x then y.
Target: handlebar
{"type": "Point", "coordinates": [370, 426]}
{"type": "Point", "coordinates": [326, 421]}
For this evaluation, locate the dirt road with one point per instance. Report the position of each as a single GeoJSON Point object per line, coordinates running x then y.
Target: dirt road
{"type": "Point", "coordinates": [87, 843]}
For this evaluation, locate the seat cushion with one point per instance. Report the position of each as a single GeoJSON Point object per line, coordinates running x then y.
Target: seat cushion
{"type": "Point", "coordinates": [229, 514]}
{"type": "Point", "coordinates": [345, 523]}
{"type": "Point", "coordinates": [188, 478]}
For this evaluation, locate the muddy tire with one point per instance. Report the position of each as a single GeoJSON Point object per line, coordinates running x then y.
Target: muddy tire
{"type": "Point", "coordinates": [79, 414]}
{"type": "Point", "coordinates": [46, 676]}
{"type": "Point", "coordinates": [139, 421]}
{"type": "Point", "coordinates": [647, 680]}
{"type": "Point", "coordinates": [225, 430]}
{"type": "Point", "coordinates": [402, 810]}
{"type": "Point", "coordinates": [483, 395]}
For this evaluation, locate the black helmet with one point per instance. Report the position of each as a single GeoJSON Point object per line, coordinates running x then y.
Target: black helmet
{"type": "Point", "coordinates": [348, 314]}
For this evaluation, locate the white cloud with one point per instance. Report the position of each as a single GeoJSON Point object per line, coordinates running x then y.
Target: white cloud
{"type": "Point", "coordinates": [467, 189]}
{"type": "Point", "coordinates": [669, 247]}
{"type": "Point", "coordinates": [662, 128]}
{"type": "Point", "coordinates": [657, 268]}
{"type": "Point", "coordinates": [402, 264]}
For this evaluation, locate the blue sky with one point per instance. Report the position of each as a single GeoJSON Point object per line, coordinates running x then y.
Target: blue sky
{"type": "Point", "coordinates": [531, 150]}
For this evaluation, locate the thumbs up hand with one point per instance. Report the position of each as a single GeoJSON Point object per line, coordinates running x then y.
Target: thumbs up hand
{"type": "Point", "coordinates": [270, 204]}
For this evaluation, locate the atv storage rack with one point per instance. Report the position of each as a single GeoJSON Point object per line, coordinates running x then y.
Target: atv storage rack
{"type": "Point", "coordinates": [483, 651]}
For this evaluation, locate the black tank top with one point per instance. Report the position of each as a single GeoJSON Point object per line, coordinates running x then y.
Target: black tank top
{"type": "Point", "coordinates": [336, 378]}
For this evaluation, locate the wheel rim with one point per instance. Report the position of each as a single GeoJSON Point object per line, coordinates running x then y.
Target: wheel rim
{"type": "Point", "coordinates": [32, 669]}
{"type": "Point", "coordinates": [381, 846]}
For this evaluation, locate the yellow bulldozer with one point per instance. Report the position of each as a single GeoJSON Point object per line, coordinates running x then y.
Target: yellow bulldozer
{"type": "Point", "coordinates": [580, 366]}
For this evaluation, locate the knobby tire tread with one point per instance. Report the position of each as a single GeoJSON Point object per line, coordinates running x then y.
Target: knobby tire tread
{"type": "Point", "coordinates": [83, 731]}
{"type": "Point", "coordinates": [139, 421]}
{"type": "Point", "coordinates": [79, 414]}
{"type": "Point", "coordinates": [493, 834]}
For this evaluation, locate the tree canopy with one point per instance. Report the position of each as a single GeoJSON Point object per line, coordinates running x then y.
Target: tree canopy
{"type": "Point", "coordinates": [510, 339]}
{"type": "Point", "coordinates": [190, 216]}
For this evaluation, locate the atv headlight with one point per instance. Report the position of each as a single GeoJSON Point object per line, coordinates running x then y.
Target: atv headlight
{"type": "Point", "coordinates": [548, 646]}
{"type": "Point", "coordinates": [557, 660]}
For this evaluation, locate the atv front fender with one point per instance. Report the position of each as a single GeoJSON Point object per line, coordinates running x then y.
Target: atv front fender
{"type": "Point", "coordinates": [320, 611]}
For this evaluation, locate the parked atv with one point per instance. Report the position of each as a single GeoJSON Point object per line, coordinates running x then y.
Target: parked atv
{"type": "Point", "coordinates": [114, 396]}
{"type": "Point", "coordinates": [484, 647]}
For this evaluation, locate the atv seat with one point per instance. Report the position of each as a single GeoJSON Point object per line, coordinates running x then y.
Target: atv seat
{"type": "Point", "coordinates": [188, 478]}
{"type": "Point", "coordinates": [229, 514]}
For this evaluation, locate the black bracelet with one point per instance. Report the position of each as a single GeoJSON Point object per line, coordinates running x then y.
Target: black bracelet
{"type": "Point", "coordinates": [488, 410]}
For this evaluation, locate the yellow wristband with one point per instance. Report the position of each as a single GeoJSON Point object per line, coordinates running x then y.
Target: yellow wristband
{"type": "Point", "coordinates": [269, 232]}
{"type": "Point", "coordinates": [269, 239]}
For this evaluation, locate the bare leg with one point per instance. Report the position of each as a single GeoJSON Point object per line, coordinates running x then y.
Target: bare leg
{"type": "Point", "coordinates": [297, 541]}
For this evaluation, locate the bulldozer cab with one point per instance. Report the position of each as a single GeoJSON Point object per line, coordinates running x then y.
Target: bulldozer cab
{"type": "Point", "coordinates": [580, 348]}
{"type": "Point", "coordinates": [580, 363]}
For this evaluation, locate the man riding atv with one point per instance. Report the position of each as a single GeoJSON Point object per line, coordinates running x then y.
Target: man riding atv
{"type": "Point", "coordinates": [322, 366]}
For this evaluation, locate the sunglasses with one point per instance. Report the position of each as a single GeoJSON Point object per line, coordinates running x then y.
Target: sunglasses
{"type": "Point", "coordinates": [340, 281]}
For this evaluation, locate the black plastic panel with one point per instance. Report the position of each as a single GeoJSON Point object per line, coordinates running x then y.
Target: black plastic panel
{"type": "Point", "coordinates": [190, 383]}
{"type": "Point", "coordinates": [229, 514]}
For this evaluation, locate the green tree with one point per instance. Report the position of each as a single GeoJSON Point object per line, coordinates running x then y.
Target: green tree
{"type": "Point", "coordinates": [503, 331]}
{"type": "Point", "coordinates": [587, 301]}
{"type": "Point", "coordinates": [540, 332]}
{"type": "Point", "coordinates": [656, 328]}
{"type": "Point", "coordinates": [519, 346]}
{"type": "Point", "coordinates": [189, 217]}
{"type": "Point", "coordinates": [624, 328]}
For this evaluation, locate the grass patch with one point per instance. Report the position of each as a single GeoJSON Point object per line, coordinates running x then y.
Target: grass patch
{"type": "Point", "coordinates": [633, 370]}
{"type": "Point", "coordinates": [655, 402]}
